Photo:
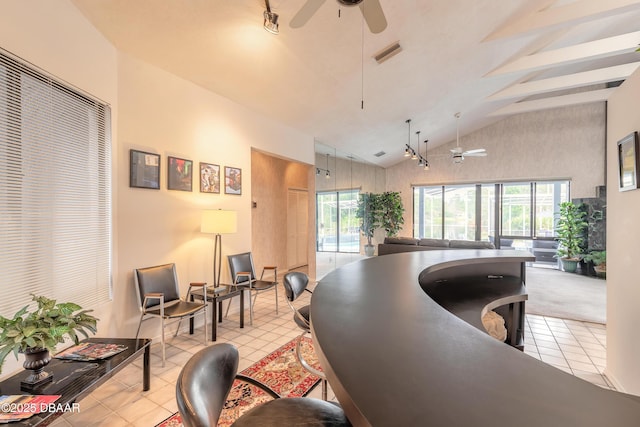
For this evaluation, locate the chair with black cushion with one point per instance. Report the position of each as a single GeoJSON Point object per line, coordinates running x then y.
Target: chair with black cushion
{"type": "Point", "coordinates": [243, 275]}
{"type": "Point", "coordinates": [295, 284]}
{"type": "Point", "coordinates": [159, 296]}
{"type": "Point", "coordinates": [206, 379]}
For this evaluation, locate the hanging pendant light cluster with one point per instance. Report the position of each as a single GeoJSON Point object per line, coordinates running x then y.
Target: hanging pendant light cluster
{"type": "Point", "coordinates": [410, 152]}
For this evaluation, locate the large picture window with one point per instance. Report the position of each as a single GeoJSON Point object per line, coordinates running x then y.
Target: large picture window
{"type": "Point", "coordinates": [55, 191]}
{"type": "Point", "coordinates": [509, 211]}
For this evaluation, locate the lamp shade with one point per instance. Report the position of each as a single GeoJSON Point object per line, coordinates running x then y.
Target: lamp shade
{"type": "Point", "coordinates": [219, 221]}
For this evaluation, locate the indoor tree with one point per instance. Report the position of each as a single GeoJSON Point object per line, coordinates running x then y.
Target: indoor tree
{"type": "Point", "coordinates": [391, 212]}
{"type": "Point", "coordinates": [570, 229]}
{"type": "Point", "coordinates": [369, 214]}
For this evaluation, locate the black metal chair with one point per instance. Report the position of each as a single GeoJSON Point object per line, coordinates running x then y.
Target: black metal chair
{"type": "Point", "coordinates": [159, 296]}
{"type": "Point", "coordinates": [206, 379]}
{"type": "Point", "coordinates": [243, 275]}
{"type": "Point", "coordinates": [295, 283]}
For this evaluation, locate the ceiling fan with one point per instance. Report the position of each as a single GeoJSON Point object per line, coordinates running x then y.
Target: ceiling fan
{"type": "Point", "coordinates": [458, 153]}
{"type": "Point", "coordinates": [371, 10]}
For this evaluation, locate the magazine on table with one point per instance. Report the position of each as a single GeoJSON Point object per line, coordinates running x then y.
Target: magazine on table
{"type": "Point", "coordinates": [91, 351]}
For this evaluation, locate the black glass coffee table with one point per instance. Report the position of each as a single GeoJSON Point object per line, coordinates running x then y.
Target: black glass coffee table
{"type": "Point", "coordinates": [74, 380]}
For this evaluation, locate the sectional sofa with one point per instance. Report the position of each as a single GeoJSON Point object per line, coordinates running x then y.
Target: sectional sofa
{"type": "Point", "coordinates": [394, 245]}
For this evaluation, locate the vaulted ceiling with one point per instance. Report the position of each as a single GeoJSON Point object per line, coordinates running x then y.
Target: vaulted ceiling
{"type": "Point", "coordinates": [486, 59]}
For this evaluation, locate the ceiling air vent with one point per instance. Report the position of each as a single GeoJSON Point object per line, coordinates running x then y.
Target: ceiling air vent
{"type": "Point", "coordinates": [387, 52]}
{"type": "Point", "coordinates": [380, 154]}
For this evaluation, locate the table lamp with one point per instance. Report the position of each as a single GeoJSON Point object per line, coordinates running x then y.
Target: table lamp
{"type": "Point", "coordinates": [218, 222]}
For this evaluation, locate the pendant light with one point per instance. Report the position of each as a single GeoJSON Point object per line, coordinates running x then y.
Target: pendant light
{"type": "Point", "coordinates": [426, 161]}
{"type": "Point", "coordinates": [328, 174]}
{"type": "Point", "coordinates": [420, 159]}
{"type": "Point", "coordinates": [408, 151]}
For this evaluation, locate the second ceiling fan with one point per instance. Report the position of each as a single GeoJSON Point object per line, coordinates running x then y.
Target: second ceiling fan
{"type": "Point", "coordinates": [458, 153]}
{"type": "Point", "coordinates": [371, 11]}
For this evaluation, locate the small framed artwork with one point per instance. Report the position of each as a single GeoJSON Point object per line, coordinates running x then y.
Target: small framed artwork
{"type": "Point", "coordinates": [144, 170]}
{"type": "Point", "coordinates": [232, 180]}
{"type": "Point", "coordinates": [180, 174]}
{"type": "Point", "coordinates": [628, 162]}
{"type": "Point", "coordinates": [209, 178]}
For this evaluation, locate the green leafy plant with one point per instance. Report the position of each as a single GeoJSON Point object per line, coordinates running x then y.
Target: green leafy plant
{"type": "Point", "coordinates": [570, 229]}
{"type": "Point", "coordinates": [369, 214]}
{"type": "Point", "coordinates": [596, 257]}
{"type": "Point", "coordinates": [391, 212]}
{"type": "Point", "coordinates": [44, 327]}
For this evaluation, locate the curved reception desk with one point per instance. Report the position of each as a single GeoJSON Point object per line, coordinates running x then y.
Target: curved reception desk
{"type": "Point", "coordinates": [396, 357]}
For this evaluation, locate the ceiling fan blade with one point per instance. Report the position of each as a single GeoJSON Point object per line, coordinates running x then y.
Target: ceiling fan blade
{"type": "Point", "coordinates": [477, 150]}
{"type": "Point", "coordinates": [374, 15]}
{"type": "Point", "coordinates": [305, 13]}
{"type": "Point", "coordinates": [477, 154]}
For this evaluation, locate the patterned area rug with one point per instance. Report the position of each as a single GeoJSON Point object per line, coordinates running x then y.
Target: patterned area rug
{"type": "Point", "coordinates": [280, 370]}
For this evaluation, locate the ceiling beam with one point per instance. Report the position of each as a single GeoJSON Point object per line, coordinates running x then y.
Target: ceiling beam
{"type": "Point", "coordinates": [597, 49]}
{"type": "Point", "coordinates": [569, 14]}
{"type": "Point", "coordinates": [555, 102]}
{"type": "Point", "coordinates": [569, 81]}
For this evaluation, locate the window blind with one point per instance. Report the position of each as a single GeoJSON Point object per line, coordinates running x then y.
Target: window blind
{"type": "Point", "coordinates": [55, 191]}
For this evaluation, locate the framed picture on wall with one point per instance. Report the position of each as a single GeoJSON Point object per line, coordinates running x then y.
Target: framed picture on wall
{"type": "Point", "coordinates": [180, 174]}
{"type": "Point", "coordinates": [209, 178]}
{"type": "Point", "coordinates": [628, 162]}
{"type": "Point", "coordinates": [232, 180]}
{"type": "Point", "coordinates": [144, 170]}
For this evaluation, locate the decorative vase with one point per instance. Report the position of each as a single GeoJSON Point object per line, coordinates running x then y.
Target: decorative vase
{"type": "Point", "coordinates": [35, 359]}
{"type": "Point", "coordinates": [569, 265]}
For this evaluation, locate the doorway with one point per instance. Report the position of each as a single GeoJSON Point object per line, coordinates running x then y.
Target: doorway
{"type": "Point", "coordinates": [297, 228]}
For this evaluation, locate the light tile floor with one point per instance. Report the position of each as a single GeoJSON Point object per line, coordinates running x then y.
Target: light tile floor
{"type": "Point", "coordinates": [575, 347]}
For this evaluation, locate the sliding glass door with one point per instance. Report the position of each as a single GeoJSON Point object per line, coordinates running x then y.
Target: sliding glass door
{"type": "Point", "coordinates": [338, 229]}
{"type": "Point", "coordinates": [511, 214]}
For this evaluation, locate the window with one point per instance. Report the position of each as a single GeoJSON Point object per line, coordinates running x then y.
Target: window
{"type": "Point", "coordinates": [521, 210]}
{"type": "Point", "coordinates": [338, 227]}
{"type": "Point", "coordinates": [427, 212]}
{"type": "Point", "coordinates": [460, 212]}
{"type": "Point", "coordinates": [55, 191]}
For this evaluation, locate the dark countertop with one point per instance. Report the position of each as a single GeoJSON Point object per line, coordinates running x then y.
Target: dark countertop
{"type": "Point", "coordinates": [395, 357]}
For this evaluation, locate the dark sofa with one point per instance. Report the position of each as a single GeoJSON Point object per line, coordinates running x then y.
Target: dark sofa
{"type": "Point", "coordinates": [393, 245]}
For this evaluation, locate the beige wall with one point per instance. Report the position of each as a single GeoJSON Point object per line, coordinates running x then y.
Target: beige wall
{"type": "Point", "coordinates": [565, 143]}
{"type": "Point", "coordinates": [153, 111]}
{"type": "Point", "coordinates": [170, 116]}
{"type": "Point", "coordinates": [272, 177]}
{"type": "Point", "coordinates": [623, 258]}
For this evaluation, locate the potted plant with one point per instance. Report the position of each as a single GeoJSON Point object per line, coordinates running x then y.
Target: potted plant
{"type": "Point", "coordinates": [36, 332]}
{"type": "Point", "coordinates": [391, 212]}
{"type": "Point", "coordinates": [570, 229]}
{"type": "Point", "coordinates": [599, 260]}
{"type": "Point", "coordinates": [368, 213]}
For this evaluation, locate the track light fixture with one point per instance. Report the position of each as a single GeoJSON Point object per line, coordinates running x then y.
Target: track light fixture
{"type": "Point", "coordinates": [327, 173]}
{"type": "Point", "coordinates": [270, 19]}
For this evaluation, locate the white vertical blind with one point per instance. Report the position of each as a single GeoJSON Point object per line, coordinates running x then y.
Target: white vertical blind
{"type": "Point", "coordinates": [55, 191]}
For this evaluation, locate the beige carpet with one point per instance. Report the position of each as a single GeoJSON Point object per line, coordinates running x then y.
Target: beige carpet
{"type": "Point", "coordinates": [566, 295]}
